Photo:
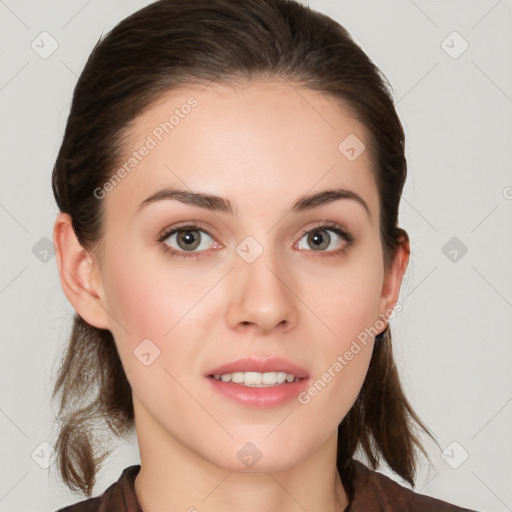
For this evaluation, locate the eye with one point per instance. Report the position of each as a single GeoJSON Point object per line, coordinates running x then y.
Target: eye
{"type": "Point", "coordinates": [190, 240]}
{"type": "Point", "coordinates": [326, 238]}
{"type": "Point", "coordinates": [186, 239]}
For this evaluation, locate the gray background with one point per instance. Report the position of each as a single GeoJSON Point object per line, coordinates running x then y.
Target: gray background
{"type": "Point", "coordinates": [452, 337]}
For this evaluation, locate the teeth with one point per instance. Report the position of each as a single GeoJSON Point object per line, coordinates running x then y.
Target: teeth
{"type": "Point", "coordinates": [256, 379]}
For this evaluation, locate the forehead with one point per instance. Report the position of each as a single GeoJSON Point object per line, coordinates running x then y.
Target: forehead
{"type": "Point", "coordinates": [264, 143]}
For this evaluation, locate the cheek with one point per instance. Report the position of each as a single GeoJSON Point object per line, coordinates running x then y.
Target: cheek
{"type": "Point", "coordinates": [145, 298]}
{"type": "Point", "coordinates": [337, 382]}
{"type": "Point", "coordinates": [345, 299]}
{"type": "Point", "coordinates": [156, 310]}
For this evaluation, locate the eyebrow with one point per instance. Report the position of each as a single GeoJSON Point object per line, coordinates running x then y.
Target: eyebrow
{"type": "Point", "coordinates": [219, 204]}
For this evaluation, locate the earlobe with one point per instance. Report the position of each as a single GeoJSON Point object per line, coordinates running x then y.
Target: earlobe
{"type": "Point", "coordinates": [79, 274]}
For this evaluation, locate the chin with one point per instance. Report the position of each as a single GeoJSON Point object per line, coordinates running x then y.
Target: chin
{"type": "Point", "coordinates": [260, 453]}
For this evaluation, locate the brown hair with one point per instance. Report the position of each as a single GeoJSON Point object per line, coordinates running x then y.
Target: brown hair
{"type": "Point", "coordinates": [170, 44]}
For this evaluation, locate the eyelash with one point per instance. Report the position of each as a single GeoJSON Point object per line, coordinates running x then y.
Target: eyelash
{"type": "Point", "coordinates": [326, 226]}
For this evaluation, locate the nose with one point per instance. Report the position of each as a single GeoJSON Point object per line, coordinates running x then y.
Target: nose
{"type": "Point", "coordinates": [261, 297]}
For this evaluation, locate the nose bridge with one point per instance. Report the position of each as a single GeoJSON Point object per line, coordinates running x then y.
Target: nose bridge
{"type": "Point", "coordinates": [260, 292]}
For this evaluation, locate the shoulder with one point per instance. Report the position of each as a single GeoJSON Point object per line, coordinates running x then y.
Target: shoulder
{"type": "Point", "coordinates": [377, 492]}
{"type": "Point", "coordinates": [119, 497]}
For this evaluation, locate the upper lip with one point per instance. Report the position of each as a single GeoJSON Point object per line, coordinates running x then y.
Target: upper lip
{"type": "Point", "coordinates": [249, 364]}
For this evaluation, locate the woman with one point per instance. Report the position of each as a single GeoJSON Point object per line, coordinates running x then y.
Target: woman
{"type": "Point", "coordinates": [229, 184]}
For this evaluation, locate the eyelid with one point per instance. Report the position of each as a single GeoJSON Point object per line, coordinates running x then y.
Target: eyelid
{"type": "Point", "coordinates": [191, 224]}
{"type": "Point", "coordinates": [327, 224]}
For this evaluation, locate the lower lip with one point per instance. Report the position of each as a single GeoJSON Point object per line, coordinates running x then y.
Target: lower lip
{"type": "Point", "coordinates": [270, 396]}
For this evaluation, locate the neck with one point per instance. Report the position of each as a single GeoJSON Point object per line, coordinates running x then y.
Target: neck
{"type": "Point", "coordinates": [175, 477]}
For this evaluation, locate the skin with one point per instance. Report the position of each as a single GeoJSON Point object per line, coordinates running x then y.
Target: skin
{"type": "Point", "coordinates": [262, 146]}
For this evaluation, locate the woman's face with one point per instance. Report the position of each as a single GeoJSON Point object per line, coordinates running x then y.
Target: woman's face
{"type": "Point", "coordinates": [255, 276]}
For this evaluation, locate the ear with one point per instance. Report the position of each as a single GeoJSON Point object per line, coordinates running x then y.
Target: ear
{"type": "Point", "coordinates": [79, 273]}
{"type": "Point", "coordinates": [393, 277]}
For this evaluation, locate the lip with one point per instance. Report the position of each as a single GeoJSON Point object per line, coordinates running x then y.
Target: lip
{"type": "Point", "coordinates": [260, 397]}
{"type": "Point", "coordinates": [271, 396]}
{"type": "Point", "coordinates": [249, 364]}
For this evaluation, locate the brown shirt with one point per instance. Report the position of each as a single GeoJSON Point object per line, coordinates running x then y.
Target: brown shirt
{"type": "Point", "coordinates": [373, 492]}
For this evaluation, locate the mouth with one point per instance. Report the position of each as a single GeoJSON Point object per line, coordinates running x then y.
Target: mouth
{"type": "Point", "coordinates": [251, 371]}
{"type": "Point", "coordinates": [257, 379]}
{"type": "Point", "coordinates": [259, 382]}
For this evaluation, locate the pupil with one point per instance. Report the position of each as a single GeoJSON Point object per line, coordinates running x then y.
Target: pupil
{"type": "Point", "coordinates": [188, 237]}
